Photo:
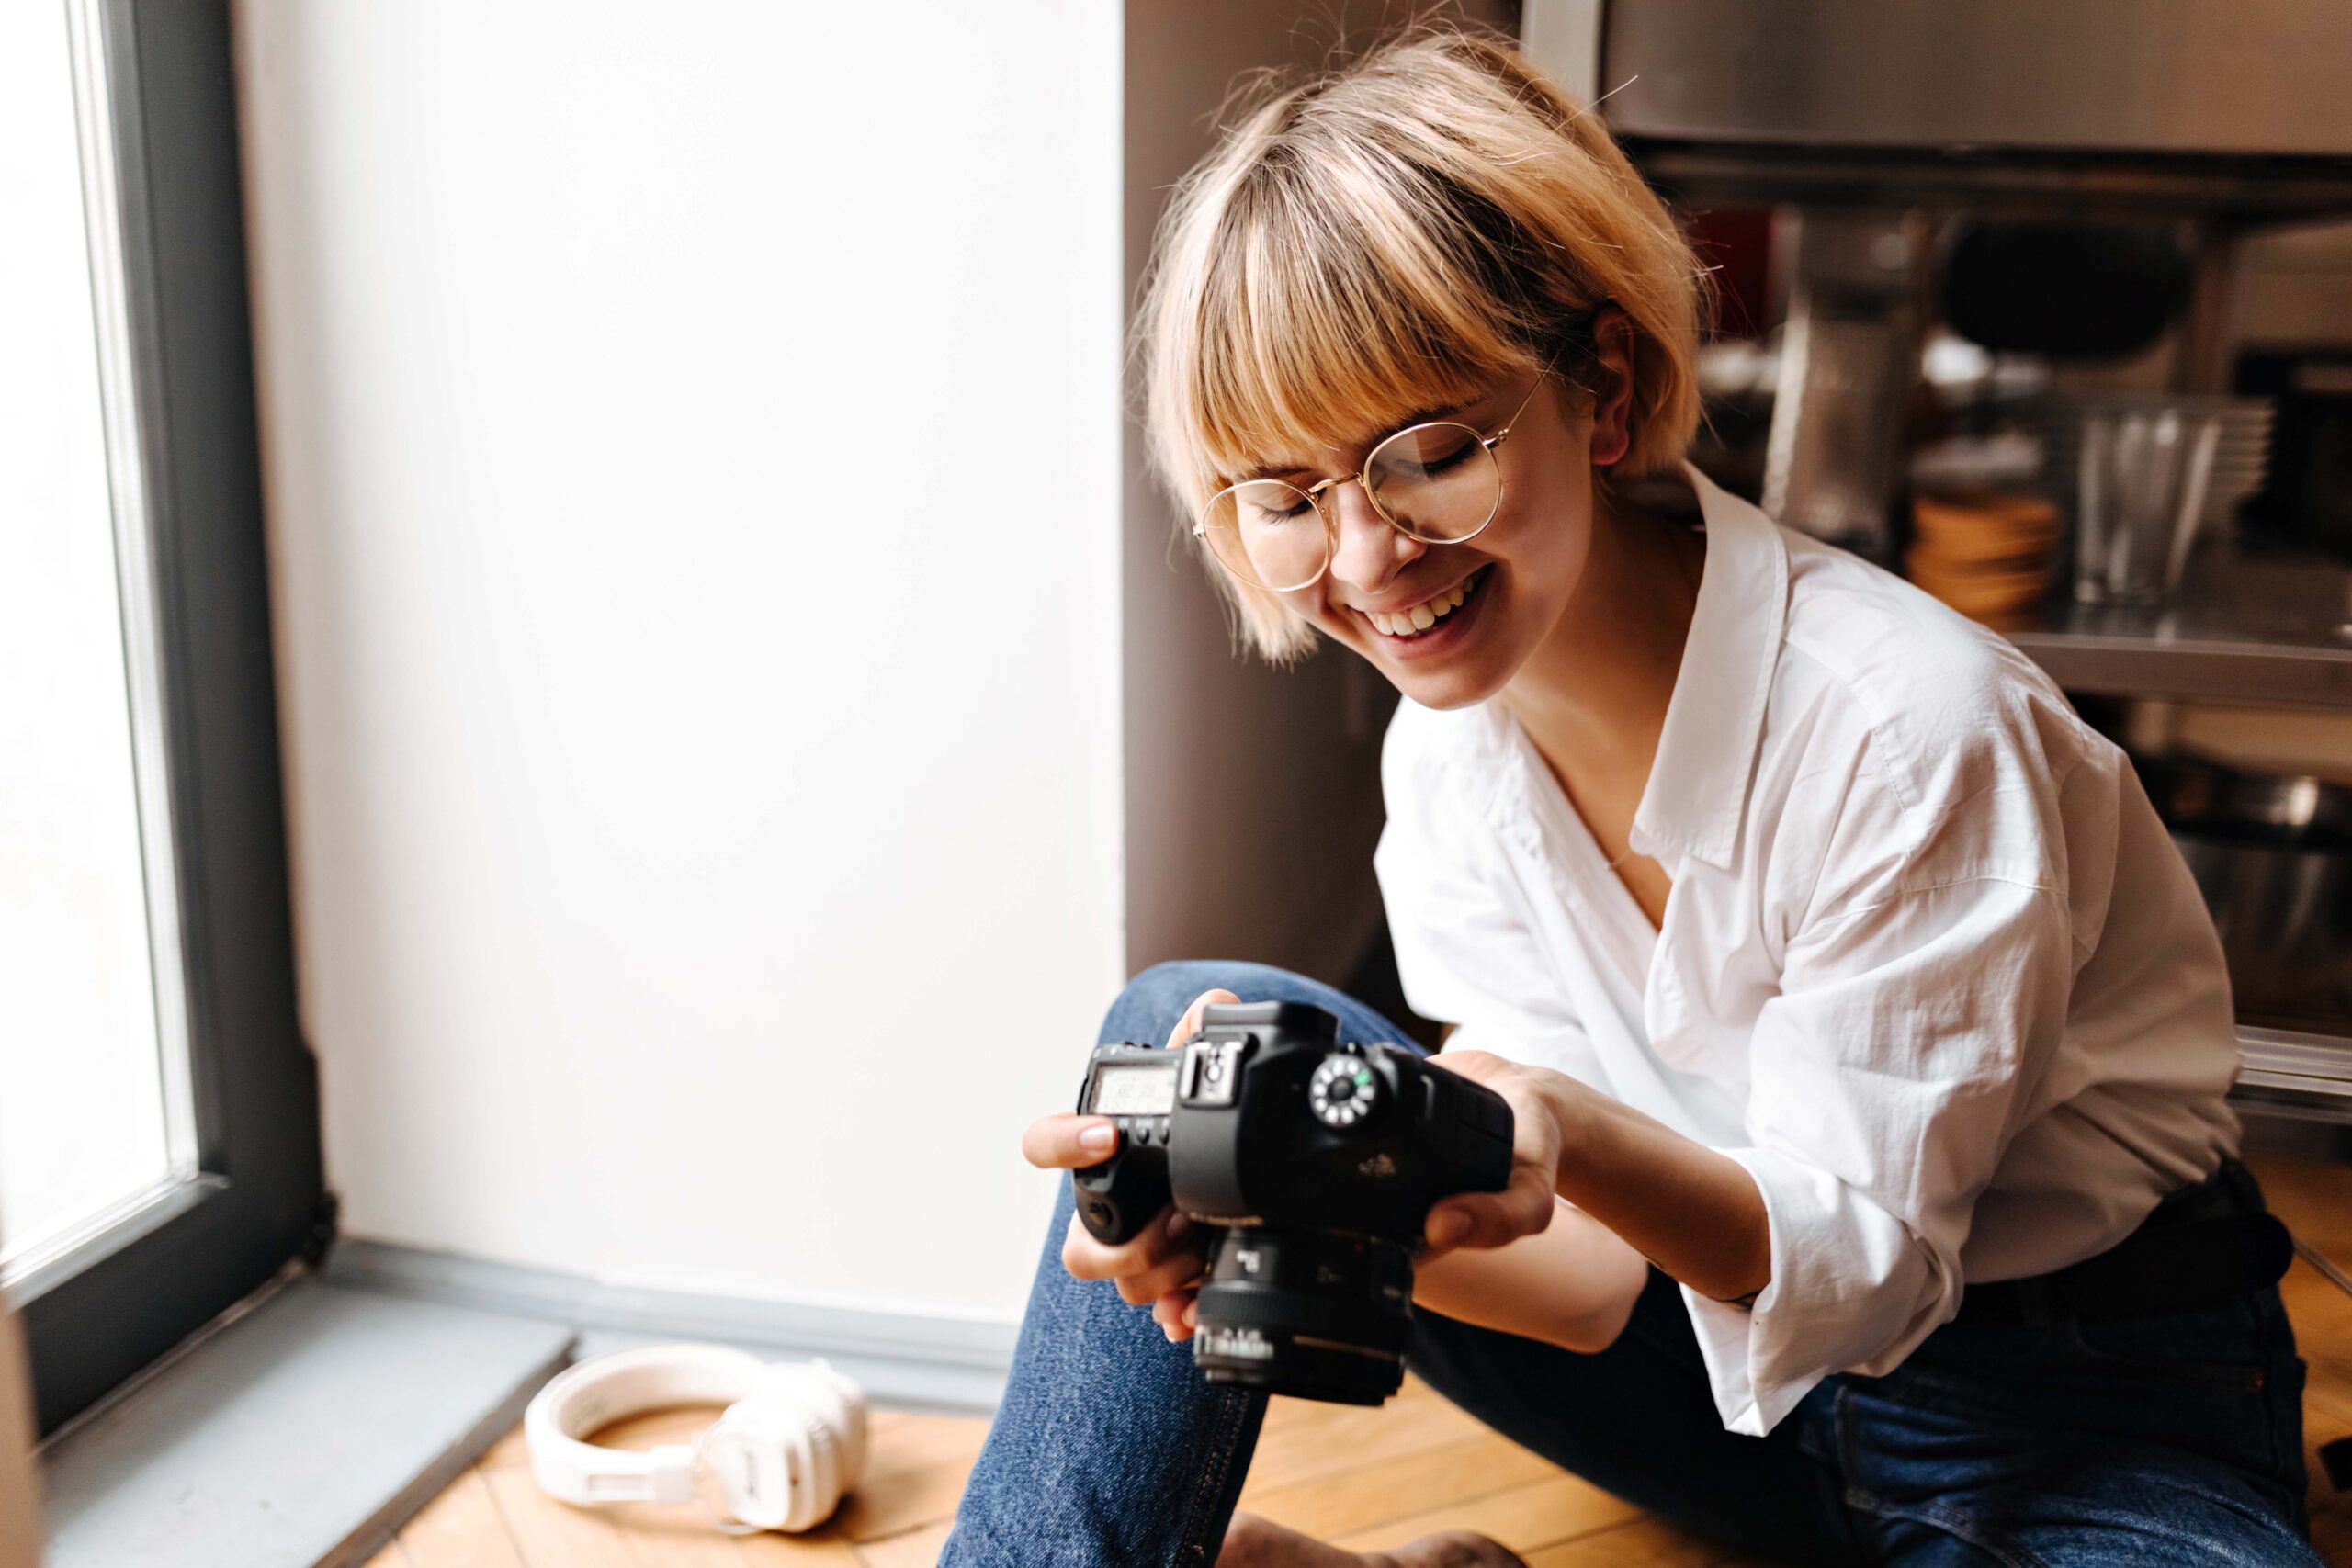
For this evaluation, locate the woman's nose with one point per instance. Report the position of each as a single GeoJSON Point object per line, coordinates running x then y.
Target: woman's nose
{"type": "Point", "coordinates": [1370, 552]}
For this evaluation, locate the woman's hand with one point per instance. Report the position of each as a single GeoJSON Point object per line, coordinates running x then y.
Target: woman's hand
{"type": "Point", "coordinates": [1163, 1265]}
{"type": "Point", "coordinates": [1526, 1206]}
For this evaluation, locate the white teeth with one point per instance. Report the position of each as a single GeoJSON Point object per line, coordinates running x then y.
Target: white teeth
{"type": "Point", "coordinates": [1421, 617]}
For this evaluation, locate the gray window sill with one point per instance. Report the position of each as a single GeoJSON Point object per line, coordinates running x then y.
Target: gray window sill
{"type": "Point", "coordinates": [307, 1430]}
{"type": "Point", "coordinates": [300, 1433]}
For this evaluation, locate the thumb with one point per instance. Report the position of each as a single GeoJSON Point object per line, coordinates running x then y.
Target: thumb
{"type": "Point", "coordinates": [1190, 1024]}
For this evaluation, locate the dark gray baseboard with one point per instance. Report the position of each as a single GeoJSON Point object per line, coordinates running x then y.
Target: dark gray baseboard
{"type": "Point", "coordinates": [901, 1359]}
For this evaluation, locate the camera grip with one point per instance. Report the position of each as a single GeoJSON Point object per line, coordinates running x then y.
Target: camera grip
{"type": "Point", "coordinates": [1478, 1129]}
{"type": "Point", "coordinates": [1118, 1199]}
{"type": "Point", "coordinates": [1135, 1085]}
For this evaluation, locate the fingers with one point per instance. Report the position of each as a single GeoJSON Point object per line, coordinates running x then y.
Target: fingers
{"type": "Point", "coordinates": [1190, 1024]}
{"type": "Point", "coordinates": [1087, 1258]}
{"type": "Point", "coordinates": [1491, 1219]}
{"type": "Point", "coordinates": [1068, 1141]}
{"type": "Point", "coordinates": [1476, 1065]}
{"type": "Point", "coordinates": [1177, 1313]}
{"type": "Point", "coordinates": [1179, 1269]}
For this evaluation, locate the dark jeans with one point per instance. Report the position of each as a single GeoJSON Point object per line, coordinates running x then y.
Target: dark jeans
{"type": "Point", "coordinates": [2174, 1439]}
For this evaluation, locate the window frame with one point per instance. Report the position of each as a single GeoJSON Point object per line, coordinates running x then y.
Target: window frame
{"type": "Point", "coordinates": [259, 1199]}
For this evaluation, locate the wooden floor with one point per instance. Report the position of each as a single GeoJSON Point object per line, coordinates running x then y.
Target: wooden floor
{"type": "Point", "coordinates": [1368, 1478]}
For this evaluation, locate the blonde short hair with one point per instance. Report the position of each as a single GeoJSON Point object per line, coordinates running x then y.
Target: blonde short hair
{"type": "Point", "coordinates": [1401, 231]}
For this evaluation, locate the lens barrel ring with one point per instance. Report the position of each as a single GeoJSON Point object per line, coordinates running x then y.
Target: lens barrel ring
{"type": "Point", "coordinates": [1319, 1315]}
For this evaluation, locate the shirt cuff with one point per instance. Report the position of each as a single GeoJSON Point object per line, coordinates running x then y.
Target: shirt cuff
{"type": "Point", "coordinates": [1852, 1288]}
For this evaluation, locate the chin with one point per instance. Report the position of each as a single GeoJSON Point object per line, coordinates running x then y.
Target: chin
{"type": "Point", "coordinates": [1443, 689]}
{"type": "Point", "coordinates": [1445, 684]}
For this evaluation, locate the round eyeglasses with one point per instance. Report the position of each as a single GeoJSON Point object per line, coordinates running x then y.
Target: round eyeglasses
{"type": "Point", "coordinates": [1438, 482]}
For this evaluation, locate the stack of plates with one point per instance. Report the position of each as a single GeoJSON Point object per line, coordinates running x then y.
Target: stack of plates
{"type": "Point", "coordinates": [1987, 555]}
{"type": "Point", "coordinates": [2240, 461]}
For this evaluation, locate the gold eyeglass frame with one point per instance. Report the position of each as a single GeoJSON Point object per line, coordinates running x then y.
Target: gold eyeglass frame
{"type": "Point", "coordinates": [1315, 493]}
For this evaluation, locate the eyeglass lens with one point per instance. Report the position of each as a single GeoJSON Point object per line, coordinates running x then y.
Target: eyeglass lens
{"type": "Point", "coordinates": [1438, 483]}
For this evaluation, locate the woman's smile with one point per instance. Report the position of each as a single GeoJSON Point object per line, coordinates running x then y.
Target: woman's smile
{"type": "Point", "coordinates": [1429, 627]}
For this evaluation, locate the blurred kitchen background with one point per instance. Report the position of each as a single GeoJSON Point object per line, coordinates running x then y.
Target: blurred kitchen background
{"type": "Point", "coordinates": [2049, 308]}
{"type": "Point", "coordinates": [594, 697]}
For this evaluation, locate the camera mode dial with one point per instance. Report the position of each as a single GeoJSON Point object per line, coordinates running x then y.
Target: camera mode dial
{"type": "Point", "coordinates": [1344, 1092]}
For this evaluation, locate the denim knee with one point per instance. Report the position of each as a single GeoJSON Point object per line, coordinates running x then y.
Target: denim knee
{"type": "Point", "coordinates": [1148, 1011]}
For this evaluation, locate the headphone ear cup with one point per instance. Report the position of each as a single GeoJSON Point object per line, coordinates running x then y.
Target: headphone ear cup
{"type": "Point", "coordinates": [821, 1485]}
{"type": "Point", "coordinates": [814, 1387]}
{"type": "Point", "coordinates": [809, 1447]}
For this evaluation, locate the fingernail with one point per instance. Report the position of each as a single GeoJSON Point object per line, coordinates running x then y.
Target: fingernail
{"type": "Point", "coordinates": [1098, 1140]}
{"type": "Point", "coordinates": [1448, 1227]}
{"type": "Point", "coordinates": [1180, 1224]}
{"type": "Point", "coordinates": [1170, 1332]}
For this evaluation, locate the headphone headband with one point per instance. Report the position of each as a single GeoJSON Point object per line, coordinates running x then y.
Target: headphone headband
{"type": "Point", "coordinates": [593, 1395]}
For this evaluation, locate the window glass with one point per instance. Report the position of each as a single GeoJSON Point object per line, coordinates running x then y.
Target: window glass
{"type": "Point", "coordinates": [92, 1060]}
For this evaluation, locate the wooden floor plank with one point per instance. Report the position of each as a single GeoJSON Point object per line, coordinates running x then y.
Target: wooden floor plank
{"type": "Point", "coordinates": [1639, 1543]}
{"type": "Point", "coordinates": [826, 1548]}
{"type": "Point", "coordinates": [655, 1428]}
{"type": "Point", "coordinates": [673, 1536]}
{"type": "Point", "coordinates": [549, 1534]}
{"type": "Point", "coordinates": [390, 1557]}
{"type": "Point", "coordinates": [924, 1442]}
{"type": "Point", "coordinates": [1304, 1439]}
{"type": "Point", "coordinates": [915, 1469]}
{"type": "Point", "coordinates": [1374, 1493]}
{"type": "Point", "coordinates": [893, 1502]}
{"type": "Point", "coordinates": [461, 1529]}
{"type": "Point", "coordinates": [1523, 1519]}
{"type": "Point", "coordinates": [510, 1450]}
{"type": "Point", "coordinates": [918, 1549]}
{"type": "Point", "coordinates": [2315, 1200]}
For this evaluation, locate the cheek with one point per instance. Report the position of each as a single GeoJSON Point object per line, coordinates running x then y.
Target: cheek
{"type": "Point", "coordinates": [1548, 532]}
{"type": "Point", "coordinates": [1309, 605]}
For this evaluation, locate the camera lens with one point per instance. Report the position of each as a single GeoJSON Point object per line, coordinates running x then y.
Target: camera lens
{"type": "Point", "coordinates": [1313, 1314]}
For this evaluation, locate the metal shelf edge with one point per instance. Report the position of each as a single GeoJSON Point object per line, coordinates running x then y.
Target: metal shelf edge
{"type": "Point", "coordinates": [2221, 671]}
{"type": "Point", "coordinates": [2284, 1068]}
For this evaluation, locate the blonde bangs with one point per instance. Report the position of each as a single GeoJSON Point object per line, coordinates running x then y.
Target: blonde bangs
{"type": "Point", "coordinates": [1398, 234]}
{"type": "Point", "coordinates": [1325, 320]}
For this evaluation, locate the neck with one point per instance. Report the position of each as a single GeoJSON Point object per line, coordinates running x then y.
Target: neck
{"type": "Point", "coordinates": [1593, 697]}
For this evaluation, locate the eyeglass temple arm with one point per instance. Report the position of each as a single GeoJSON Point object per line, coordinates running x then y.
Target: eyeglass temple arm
{"type": "Point", "coordinates": [1497, 438]}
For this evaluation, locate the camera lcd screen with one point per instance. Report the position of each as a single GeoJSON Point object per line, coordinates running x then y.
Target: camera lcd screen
{"type": "Point", "coordinates": [1135, 1091]}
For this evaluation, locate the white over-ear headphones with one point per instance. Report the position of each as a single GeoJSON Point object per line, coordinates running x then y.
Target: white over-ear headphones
{"type": "Point", "coordinates": [790, 1446]}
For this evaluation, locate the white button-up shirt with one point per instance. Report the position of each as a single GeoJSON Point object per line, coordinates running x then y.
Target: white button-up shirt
{"type": "Point", "coordinates": [1932, 971]}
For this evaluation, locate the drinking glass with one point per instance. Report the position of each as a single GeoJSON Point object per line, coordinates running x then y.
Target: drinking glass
{"type": "Point", "coordinates": [2140, 491]}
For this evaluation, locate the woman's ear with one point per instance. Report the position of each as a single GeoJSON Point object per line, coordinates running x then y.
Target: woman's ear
{"type": "Point", "coordinates": [1613, 404]}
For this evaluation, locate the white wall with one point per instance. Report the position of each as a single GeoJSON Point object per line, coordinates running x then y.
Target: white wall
{"type": "Point", "coordinates": [693, 450]}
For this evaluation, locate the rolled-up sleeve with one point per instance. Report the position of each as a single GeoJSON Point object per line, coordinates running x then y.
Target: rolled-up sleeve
{"type": "Point", "coordinates": [1886, 1076]}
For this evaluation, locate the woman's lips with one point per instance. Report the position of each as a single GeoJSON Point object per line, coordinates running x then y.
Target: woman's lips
{"type": "Point", "coordinates": [1446, 633]}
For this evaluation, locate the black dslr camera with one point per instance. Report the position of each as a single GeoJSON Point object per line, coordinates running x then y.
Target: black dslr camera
{"type": "Point", "coordinates": [1320, 1160]}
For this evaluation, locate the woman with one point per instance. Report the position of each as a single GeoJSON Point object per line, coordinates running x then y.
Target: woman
{"type": "Point", "coordinates": [1867, 1038]}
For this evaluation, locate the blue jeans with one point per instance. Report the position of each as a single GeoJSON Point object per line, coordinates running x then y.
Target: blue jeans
{"type": "Point", "coordinates": [2174, 1439]}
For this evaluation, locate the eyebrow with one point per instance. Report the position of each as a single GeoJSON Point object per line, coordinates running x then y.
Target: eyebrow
{"type": "Point", "coordinates": [1419, 416]}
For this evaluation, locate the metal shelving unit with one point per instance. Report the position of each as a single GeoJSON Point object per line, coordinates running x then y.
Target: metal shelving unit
{"type": "Point", "coordinates": [2271, 630]}
{"type": "Point", "coordinates": [1833, 112]}
{"type": "Point", "coordinates": [2305, 1076]}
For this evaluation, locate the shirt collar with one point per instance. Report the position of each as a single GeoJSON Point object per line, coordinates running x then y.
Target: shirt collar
{"type": "Point", "coordinates": [1698, 786]}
